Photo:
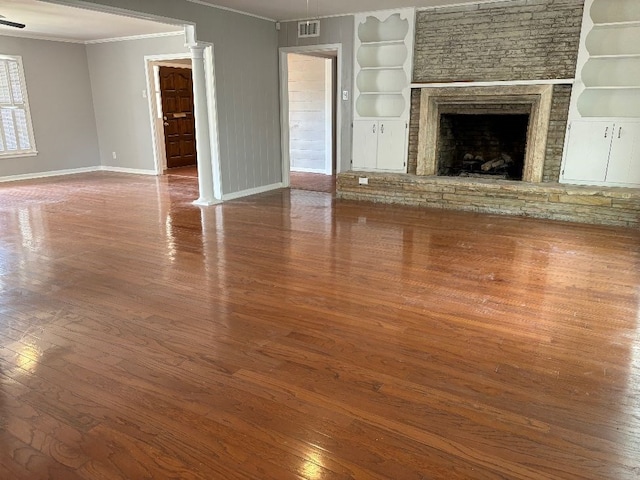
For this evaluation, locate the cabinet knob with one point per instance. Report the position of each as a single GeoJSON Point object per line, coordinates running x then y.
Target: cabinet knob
{"type": "Point", "coordinates": [620, 132]}
{"type": "Point", "coordinates": [606, 132]}
{"type": "Point", "coordinates": [374, 128]}
{"type": "Point", "coordinates": [382, 128]}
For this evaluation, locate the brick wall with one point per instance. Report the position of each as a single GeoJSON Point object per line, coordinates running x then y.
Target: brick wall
{"type": "Point", "coordinates": [556, 134]}
{"type": "Point", "coordinates": [517, 40]}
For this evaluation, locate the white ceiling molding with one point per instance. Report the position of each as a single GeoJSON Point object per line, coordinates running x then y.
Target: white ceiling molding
{"type": "Point", "coordinates": [220, 7]}
{"type": "Point", "coordinates": [135, 37]}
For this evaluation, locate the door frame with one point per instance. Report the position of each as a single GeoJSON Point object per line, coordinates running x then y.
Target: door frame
{"type": "Point", "coordinates": [284, 102]}
{"type": "Point", "coordinates": [157, 130]}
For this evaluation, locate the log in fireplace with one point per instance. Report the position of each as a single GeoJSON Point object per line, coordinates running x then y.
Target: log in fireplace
{"type": "Point", "coordinates": [483, 145]}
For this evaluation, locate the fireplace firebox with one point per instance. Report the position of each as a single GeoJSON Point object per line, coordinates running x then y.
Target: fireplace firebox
{"type": "Point", "coordinates": [482, 145]}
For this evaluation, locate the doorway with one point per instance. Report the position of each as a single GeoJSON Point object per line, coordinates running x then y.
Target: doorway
{"type": "Point", "coordinates": [176, 94]}
{"type": "Point", "coordinates": [310, 116]}
{"type": "Point", "coordinates": [172, 111]}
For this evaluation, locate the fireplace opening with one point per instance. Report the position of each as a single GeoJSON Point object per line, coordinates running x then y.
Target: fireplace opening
{"type": "Point", "coordinates": [482, 145]}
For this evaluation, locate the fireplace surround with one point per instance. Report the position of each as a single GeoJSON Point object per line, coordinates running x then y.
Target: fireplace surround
{"type": "Point", "coordinates": [534, 100]}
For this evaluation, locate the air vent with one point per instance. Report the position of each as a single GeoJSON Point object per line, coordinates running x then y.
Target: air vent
{"type": "Point", "coordinates": [309, 28]}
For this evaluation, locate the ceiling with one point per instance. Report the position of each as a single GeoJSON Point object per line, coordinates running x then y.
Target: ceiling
{"type": "Point", "coordinates": [58, 22]}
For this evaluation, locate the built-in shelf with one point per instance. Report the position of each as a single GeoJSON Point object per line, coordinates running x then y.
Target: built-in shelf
{"type": "Point", "coordinates": [624, 55]}
{"type": "Point", "coordinates": [382, 70]}
{"type": "Point", "coordinates": [617, 24]}
{"type": "Point", "coordinates": [383, 42]}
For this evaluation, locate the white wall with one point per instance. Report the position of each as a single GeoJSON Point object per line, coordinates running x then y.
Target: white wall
{"type": "Point", "coordinates": [57, 78]}
{"type": "Point", "coordinates": [118, 78]}
{"type": "Point", "coordinates": [308, 112]}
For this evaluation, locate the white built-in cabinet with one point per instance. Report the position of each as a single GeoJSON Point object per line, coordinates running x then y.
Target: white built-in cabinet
{"type": "Point", "coordinates": [603, 136]}
{"type": "Point", "coordinates": [604, 152]}
{"type": "Point", "coordinates": [382, 92]}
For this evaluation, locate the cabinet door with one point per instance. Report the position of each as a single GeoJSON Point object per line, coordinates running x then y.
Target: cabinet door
{"type": "Point", "coordinates": [365, 144]}
{"type": "Point", "coordinates": [588, 151]}
{"type": "Point", "coordinates": [624, 160]}
{"type": "Point", "coordinates": [391, 145]}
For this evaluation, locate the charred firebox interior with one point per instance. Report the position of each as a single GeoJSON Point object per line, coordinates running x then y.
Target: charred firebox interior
{"type": "Point", "coordinates": [482, 145]}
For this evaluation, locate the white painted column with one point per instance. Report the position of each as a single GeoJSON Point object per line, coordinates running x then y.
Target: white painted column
{"type": "Point", "coordinates": [203, 140]}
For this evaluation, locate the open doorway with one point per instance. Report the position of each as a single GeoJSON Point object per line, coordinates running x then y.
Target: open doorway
{"type": "Point", "coordinates": [310, 116]}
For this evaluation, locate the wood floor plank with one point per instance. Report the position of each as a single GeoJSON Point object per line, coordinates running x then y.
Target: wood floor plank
{"type": "Point", "coordinates": [290, 335]}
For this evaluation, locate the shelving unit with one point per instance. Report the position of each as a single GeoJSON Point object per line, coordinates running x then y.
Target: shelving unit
{"type": "Point", "coordinates": [383, 60]}
{"type": "Point", "coordinates": [603, 137]}
{"type": "Point", "coordinates": [611, 73]}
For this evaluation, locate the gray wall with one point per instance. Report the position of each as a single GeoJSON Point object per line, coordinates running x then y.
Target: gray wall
{"type": "Point", "coordinates": [57, 77]}
{"type": "Point", "coordinates": [332, 30]}
{"type": "Point", "coordinates": [118, 77]}
{"type": "Point", "coordinates": [246, 63]}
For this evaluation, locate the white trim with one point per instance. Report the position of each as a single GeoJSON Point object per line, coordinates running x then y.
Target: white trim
{"type": "Point", "coordinates": [40, 37]}
{"type": "Point", "coordinates": [157, 143]}
{"type": "Point", "coordinates": [212, 5]}
{"type": "Point", "coordinates": [212, 110]}
{"type": "Point", "coordinates": [476, 3]}
{"type": "Point", "coordinates": [9, 155]}
{"type": "Point", "coordinates": [134, 171]}
{"type": "Point", "coordinates": [75, 171]}
{"type": "Point", "coordinates": [26, 107]}
{"type": "Point", "coordinates": [55, 173]}
{"type": "Point", "coordinates": [309, 170]}
{"type": "Point", "coordinates": [284, 103]}
{"type": "Point", "coordinates": [557, 81]}
{"type": "Point", "coordinates": [328, 121]}
{"type": "Point", "coordinates": [252, 191]}
{"type": "Point", "coordinates": [135, 37]}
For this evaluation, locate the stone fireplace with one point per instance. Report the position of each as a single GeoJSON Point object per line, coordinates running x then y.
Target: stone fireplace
{"type": "Point", "coordinates": [497, 131]}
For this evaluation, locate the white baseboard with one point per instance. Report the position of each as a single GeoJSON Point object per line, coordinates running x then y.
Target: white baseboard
{"type": "Point", "coordinates": [75, 171]}
{"type": "Point", "coordinates": [252, 191]}
{"type": "Point", "coordinates": [135, 171]}
{"type": "Point", "coordinates": [54, 173]}
{"type": "Point", "coordinates": [309, 170]}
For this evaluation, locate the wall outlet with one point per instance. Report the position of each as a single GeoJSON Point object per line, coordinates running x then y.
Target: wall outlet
{"type": "Point", "coordinates": [345, 95]}
{"type": "Point", "coordinates": [363, 181]}
{"type": "Point", "coordinates": [113, 154]}
{"type": "Point", "coordinates": [144, 94]}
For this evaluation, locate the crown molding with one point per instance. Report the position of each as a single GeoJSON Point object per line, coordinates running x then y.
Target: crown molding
{"type": "Point", "coordinates": [220, 7]}
{"type": "Point", "coordinates": [135, 37]}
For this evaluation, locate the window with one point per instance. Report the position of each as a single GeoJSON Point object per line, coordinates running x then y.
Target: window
{"type": "Point", "coordinates": [16, 132]}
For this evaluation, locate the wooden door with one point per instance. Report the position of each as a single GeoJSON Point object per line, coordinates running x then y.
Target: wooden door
{"type": "Point", "coordinates": [176, 89]}
{"type": "Point", "coordinates": [587, 151]}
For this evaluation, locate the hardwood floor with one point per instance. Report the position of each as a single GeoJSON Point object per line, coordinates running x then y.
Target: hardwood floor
{"type": "Point", "coordinates": [315, 182]}
{"type": "Point", "coordinates": [292, 336]}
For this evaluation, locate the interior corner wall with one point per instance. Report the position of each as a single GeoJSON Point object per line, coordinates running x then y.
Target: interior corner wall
{"type": "Point", "coordinates": [246, 68]}
{"type": "Point", "coordinates": [58, 86]}
{"type": "Point", "coordinates": [118, 80]}
{"type": "Point", "coordinates": [332, 30]}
